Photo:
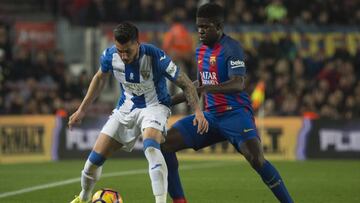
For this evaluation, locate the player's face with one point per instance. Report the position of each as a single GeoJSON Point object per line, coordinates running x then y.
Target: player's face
{"type": "Point", "coordinates": [128, 51]}
{"type": "Point", "coordinates": [208, 31]}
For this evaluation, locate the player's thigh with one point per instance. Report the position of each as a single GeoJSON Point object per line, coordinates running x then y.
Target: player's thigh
{"type": "Point", "coordinates": [106, 145]}
{"type": "Point", "coordinates": [110, 138]}
{"type": "Point", "coordinates": [152, 121]}
{"type": "Point", "coordinates": [174, 141]}
{"type": "Point", "coordinates": [191, 138]}
{"type": "Point", "coordinates": [238, 126]}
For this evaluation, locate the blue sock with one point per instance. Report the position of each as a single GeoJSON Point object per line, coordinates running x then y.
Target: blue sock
{"type": "Point", "coordinates": [272, 179]}
{"type": "Point", "coordinates": [96, 158]}
{"type": "Point", "coordinates": [174, 184]}
{"type": "Point", "coordinates": [150, 143]}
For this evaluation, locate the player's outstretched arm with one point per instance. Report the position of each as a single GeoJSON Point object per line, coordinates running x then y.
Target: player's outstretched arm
{"type": "Point", "coordinates": [234, 85]}
{"type": "Point", "coordinates": [192, 98]}
{"type": "Point", "coordinates": [96, 85]}
{"type": "Point", "coordinates": [180, 97]}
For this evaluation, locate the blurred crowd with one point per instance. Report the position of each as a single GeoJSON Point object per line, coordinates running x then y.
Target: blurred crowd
{"type": "Point", "coordinates": [315, 85]}
{"type": "Point", "coordinates": [40, 82]}
{"type": "Point", "coordinates": [36, 82]}
{"type": "Point", "coordinates": [304, 12]}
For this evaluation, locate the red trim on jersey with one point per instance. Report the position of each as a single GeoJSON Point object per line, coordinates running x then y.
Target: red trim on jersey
{"type": "Point", "coordinates": [200, 63]}
{"type": "Point", "coordinates": [219, 99]}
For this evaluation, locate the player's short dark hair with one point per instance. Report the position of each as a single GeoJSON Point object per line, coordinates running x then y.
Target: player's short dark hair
{"type": "Point", "coordinates": [212, 11]}
{"type": "Point", "coordinates": [125, 32]}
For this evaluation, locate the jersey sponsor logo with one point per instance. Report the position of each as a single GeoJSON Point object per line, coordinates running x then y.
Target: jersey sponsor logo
{"type": "Point", "coordinates": [163, 57]}
{"type": "Point", "coordinates": [199, 61]}
{"type": "Point", "coordinates": [137, 88]}
{"type": "Point", "coordinates": [212, 60]}
{"type": "Point", "coordinates": [131, 76]}
{"type": "Point", "coordinates": [208, 78]}
{"type": "Point", "coordinates": [237, 64]}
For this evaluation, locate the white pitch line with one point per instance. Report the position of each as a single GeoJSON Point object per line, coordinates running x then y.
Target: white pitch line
{"type": "Point", "coordinates": [106, 175]}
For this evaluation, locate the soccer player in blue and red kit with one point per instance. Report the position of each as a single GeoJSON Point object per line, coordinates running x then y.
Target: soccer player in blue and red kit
{"type": "Point", "coordinates": [221, 76]}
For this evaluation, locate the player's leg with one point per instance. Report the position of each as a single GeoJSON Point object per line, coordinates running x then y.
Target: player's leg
{"type": "Point", "coordinates": [181, 136]}
{"type": "Point", "coordinates": [240, 129]}
{"type": "Point", "coordinates": [173, 143]}
{"type": "Point", "coordinates": [157, 165]}
{"type": "Point", "coordinates": [252, 150]}
{"type": "Point", "coordinates": [103, 148]}
{"type": "Point", "coordinates": [153, 121]}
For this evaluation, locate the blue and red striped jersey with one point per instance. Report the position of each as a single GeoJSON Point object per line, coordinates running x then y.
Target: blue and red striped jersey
{"type": "Point", "coordinates": [216, 65]}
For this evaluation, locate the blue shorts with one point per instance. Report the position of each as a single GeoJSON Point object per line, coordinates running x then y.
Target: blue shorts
{"type": "Point", "coordinates": [236, 126]}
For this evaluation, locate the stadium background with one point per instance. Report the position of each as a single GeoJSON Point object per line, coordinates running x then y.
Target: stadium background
{"type": "Point", "coordinates": [303, 60]}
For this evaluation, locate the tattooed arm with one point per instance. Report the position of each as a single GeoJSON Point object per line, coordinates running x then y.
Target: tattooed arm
{"type": "Point", "coordinates": [180, 97]}
{"type": "Point", "coordinates": [190, 93]}
{"type": "Point", "coordinates": [189, 90]}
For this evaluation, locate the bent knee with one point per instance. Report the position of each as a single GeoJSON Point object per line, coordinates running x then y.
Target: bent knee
{"type": "Point", "coordinates": [152, 133]}
{"type": "Point", "coordinates": [256, 162]}
{"type": "Point", "coordinates": [173, 141]}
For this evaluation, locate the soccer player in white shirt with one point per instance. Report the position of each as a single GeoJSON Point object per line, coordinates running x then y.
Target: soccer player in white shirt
{"type": "Point", "coordinates": [143, 107]}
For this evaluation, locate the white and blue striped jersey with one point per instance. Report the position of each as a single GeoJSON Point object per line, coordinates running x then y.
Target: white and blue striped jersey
{"type": "Point", "coordinates": [143, 81]}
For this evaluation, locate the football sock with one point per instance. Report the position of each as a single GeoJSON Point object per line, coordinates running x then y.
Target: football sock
{"type": "Point", "coordinates": [160, 198]}
{"type": "Point", "coordinates": [157, 170]}
{"type": "Point", "coordinates": [90, 174]}
{"type": "Point", "coordinates": [272, 179]}
{"type": "Point", "coordinates": [180, 200]}
{"type": "Point", "coordinates": [175, 188]}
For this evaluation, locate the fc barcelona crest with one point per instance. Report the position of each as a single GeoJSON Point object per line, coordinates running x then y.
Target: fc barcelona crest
{"type": "Point", "coordinates": [145, 74]}
{"type": "Point", "coordinates": [212, 60]}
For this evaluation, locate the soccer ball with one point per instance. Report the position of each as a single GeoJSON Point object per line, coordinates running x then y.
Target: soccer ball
{"type": "Point", "coordinates": [106, 195]}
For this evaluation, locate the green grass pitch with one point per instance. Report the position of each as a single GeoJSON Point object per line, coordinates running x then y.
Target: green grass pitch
{"type": "Point", "coordinates": [204, 181]}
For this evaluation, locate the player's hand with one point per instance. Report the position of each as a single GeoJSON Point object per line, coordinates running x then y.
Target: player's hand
{"type": "Point", "coordinates": [76, 118]}
{"type": "Point", "coordinates": [201, 89]}
{"type": "Point", "coordinates": [201, 122]}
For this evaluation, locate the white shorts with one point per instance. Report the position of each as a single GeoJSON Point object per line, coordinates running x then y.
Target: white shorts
{"type": "Point", "coordinates": [127, 127]}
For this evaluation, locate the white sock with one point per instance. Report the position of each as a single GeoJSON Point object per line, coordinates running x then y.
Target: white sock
{"type": "Point", "coordinates": [158, 173]}
{"type": "Point", "coordinates": [89, 176]}
{"type": "Point", "coordinates": [161, 198]}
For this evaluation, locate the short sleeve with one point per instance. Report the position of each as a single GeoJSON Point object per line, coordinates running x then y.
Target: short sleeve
{"type": "Point", "coordinates": [172, 71]}
{"type": "Point", "coordinates": [164, 63]}
{"type": "Point", "coordinates": [168, 67]}
{"type": "Point", "coordinates": [235, 62]}
{"type": "Point", "coordinates": [105, 61]}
